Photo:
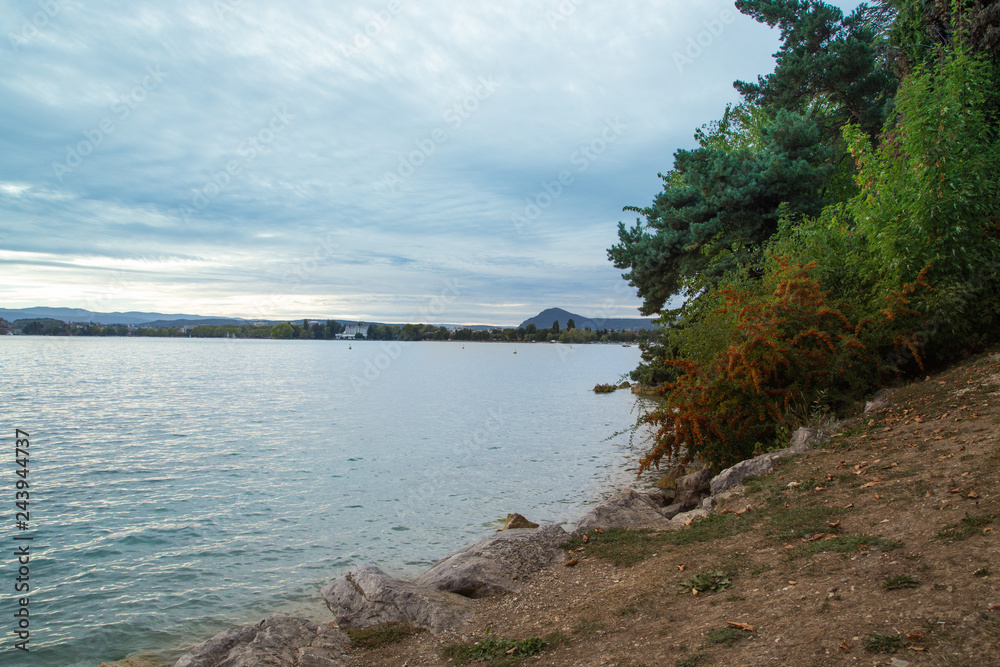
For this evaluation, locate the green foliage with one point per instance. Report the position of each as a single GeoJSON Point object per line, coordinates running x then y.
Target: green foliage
{"type": "Point", "coordinates": [282, 331]}
{"type": "Point", "coordinates": [719, 206]}
{"type": "Point", "coordinates": [495, 648]}
{"type": "Point", "coordinates": [846, 544]}
{"type": "Point", "coordinates": [692, 660]}
{"type": "Point", "coordinates": [708, 581]}
{"type": "Point", "coordinates": [381, 635]}
{"type": "Point", "coordinates": [722, 637]}
{"type": "Point", "coordinates": [929, 197]}
{"type": "Point", "coordinates": [971, 524]}
{"type": "Point", "coordinates": [880, 643]}
{"type": "Point", "coordinates": [899, 581]}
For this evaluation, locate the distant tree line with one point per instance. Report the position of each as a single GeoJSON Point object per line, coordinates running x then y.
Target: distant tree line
{"type": "Point", "coordinates": [327, 331]}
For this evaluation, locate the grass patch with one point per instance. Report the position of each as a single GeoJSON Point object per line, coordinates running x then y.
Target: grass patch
{"type": "Point", "coordinates": [899, 581]}
{"type": "Point", "coordinates": [496, 650]}
{"type": "Point", "coordinates": [381, 635]}
{"type": "Point", "coordinates": [588, 627]}
{"type": "Point", "coordinates": [879, 643]}
{"type": "Point", "coordinates": [691, 660]}
{"type": "Point", "coordinates": [798, 522]}
{"type": "Point", "coordinates": [972, 524]}
{"type": "Point", "coordinates": [621, 546]}
{"type": "Point", "coordinates": [721, 637]}
{"type": "Point", "coordinates": [712, 527]}
{"type": "Point", "coordinates": [709, 580]}
{"type": "Point", "coordinates": [846, 544]}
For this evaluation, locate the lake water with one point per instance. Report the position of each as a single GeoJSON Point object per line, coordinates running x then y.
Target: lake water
{"type": "Point", "coordinates": [180, 487]}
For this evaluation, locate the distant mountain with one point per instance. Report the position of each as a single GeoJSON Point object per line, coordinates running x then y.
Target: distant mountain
{"type": "Point", "coordinates": [544, 320]}
{"type": "Point", "coordinates": [81, 315]}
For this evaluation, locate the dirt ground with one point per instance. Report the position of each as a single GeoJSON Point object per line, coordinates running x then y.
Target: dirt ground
{"type": "Point", "coordinates": [881, 549]}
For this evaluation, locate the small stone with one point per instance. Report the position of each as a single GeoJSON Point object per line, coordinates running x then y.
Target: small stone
{"type": "Point", "coordinates": [896, 662]}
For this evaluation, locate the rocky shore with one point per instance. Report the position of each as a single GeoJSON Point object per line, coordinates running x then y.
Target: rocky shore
{"type": "Point", "coordinates": [443, 599]}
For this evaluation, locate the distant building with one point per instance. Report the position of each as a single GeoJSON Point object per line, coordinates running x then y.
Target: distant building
{"type": "Point", "coordinates": [261, 324]}
{"type": "Point", "coordinates": [351, 331]}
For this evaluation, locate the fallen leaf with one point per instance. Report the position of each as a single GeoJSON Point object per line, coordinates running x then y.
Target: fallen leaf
{"type": "Point", "coordinates": [878, 497]}
{"type": "Point", "coordinates": [694, 591]}
{"type": "Point", "coordinates": [598, 530]}
{"type": "Point", "coordinates": [681, 567]}
{"type": "Point", "coordinates": [835, 524]}
{"type": "Point", "coordinates": [847, 507]}
{"type": "Point", "coordinates": [740, 626]}
{"type": "Point", "coordinates": [817, 536]}
{"type": "Point", "coordinates": [579, 549]}
{"type": "Point", "coordinates": [585, 539]}
{"type": "Point", "coordinates": [956, 490]}
{"type": "Point", "coordinates": [869, 484]}
{"type": "Point", "coordinates": [511, 652]}
{"type": "Point", "coordinates": [973, 494]}
{"type": "Point", "coordinates": [744, 510]}
{"type": "Point", "coordinates": [994, 607]}
{"type": "Point", "coordinates": [792, 583]}
{"type": "Point", "coordinates": [689, 522]}
{"type": "Point", "coordinates": [788, 546]}
{"type": "Point", "coordinates": [571, 562]}
{"type": "Point", "coordinates": [916, 648]}
{"type": "Point", "coordinates": [914, 636]}
{"type": "Point", "coordinates": [820, 488]}
{"type": "Point", "coordinates": [845, 646]}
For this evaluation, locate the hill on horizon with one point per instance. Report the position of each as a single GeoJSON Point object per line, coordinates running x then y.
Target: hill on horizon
{"type": "Point", "coordinates": [544, 320]}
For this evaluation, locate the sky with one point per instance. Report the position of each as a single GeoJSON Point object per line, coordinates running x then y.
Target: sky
{"type": "Point", "coordinates": [384, 160]}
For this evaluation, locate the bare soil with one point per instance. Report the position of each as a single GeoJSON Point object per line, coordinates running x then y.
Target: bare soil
{"type": "Point", "coordinates": [882, 547]}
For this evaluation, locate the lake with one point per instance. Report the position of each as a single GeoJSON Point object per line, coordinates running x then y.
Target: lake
{"type": "Point", "coordinates": [180, 487]}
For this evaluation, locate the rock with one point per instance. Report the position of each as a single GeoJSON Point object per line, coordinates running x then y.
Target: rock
{"type": "Point", "coordinates": [498, 563]}
{"type": "Point", "coordinates": [274, 642]}
{"type": "Point", "coordinates": [685, 517]}
{"type": "Point", "coordinates": [670, 511]}
{"type": "Point", "coordinates": [805, 438]}
{"type": "Point", "coordinates": [517, 521]}
{"type": "Point", "coordinates": [659, 499]}
{"type": "Point", "coordinates": [670, 479]}
{"type": "Point", "coordinates": [878, 401]}
{"type": "Point", "coordinates": [365, 596]}
{"type": "Point", "coordinates": [627, 509]}
{"type": "Point", "coordinates": [755, 467]}
{"type": "Point", "coordinates": [691, 487]}
{"type": "Point", "coordinates": [707, 503]}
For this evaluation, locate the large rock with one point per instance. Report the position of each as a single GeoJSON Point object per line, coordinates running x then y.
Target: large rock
{"type": "Point", "coordinates": [365, 596]}
{"type": "Point", "coordinates": [627, 509]}
{"type": "Point", "coordinates": [802, 440]}
{"type": "Point", "coordinates": [806, 438]}
{"type": "Point", "coordinates": [498, 563]}
{"type": "Point", "coordinates": [278, 641]}
{"type": "Point", "coordinates": [691, 488]}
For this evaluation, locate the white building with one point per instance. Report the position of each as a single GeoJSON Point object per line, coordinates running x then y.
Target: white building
{"type": "Point", "coordinates": [351, 331]}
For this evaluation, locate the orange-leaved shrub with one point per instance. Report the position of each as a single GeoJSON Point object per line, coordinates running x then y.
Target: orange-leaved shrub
{"type": "Point", "coordinates": [790, 344]}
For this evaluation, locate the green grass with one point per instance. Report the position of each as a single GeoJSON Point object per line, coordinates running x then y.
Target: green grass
{"type": "Point", "coordinates": [845, 544]}
{"type": "Point", "coordinates": [709, 580]}
{"type": "Point", "coordinates": [722, 637]}
{"type": "Point", "coordinates": [899, 581]}
{"type": "Point", "coordinates": [878, 643]}
{"type": "Point", "coordinates": [381, 635]}
{"type": "Point", "coordinates": [798, 522]}
{"type": "Point", "coordinates": [970, 525]}
{"type": "Point", "coordinates": [495, 650]}
{"type": "Point", "coordinates": [691, 660]}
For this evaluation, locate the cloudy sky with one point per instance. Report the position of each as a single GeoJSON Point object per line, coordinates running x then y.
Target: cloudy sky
{"type": "Point", "coordinates": [385, 160]}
